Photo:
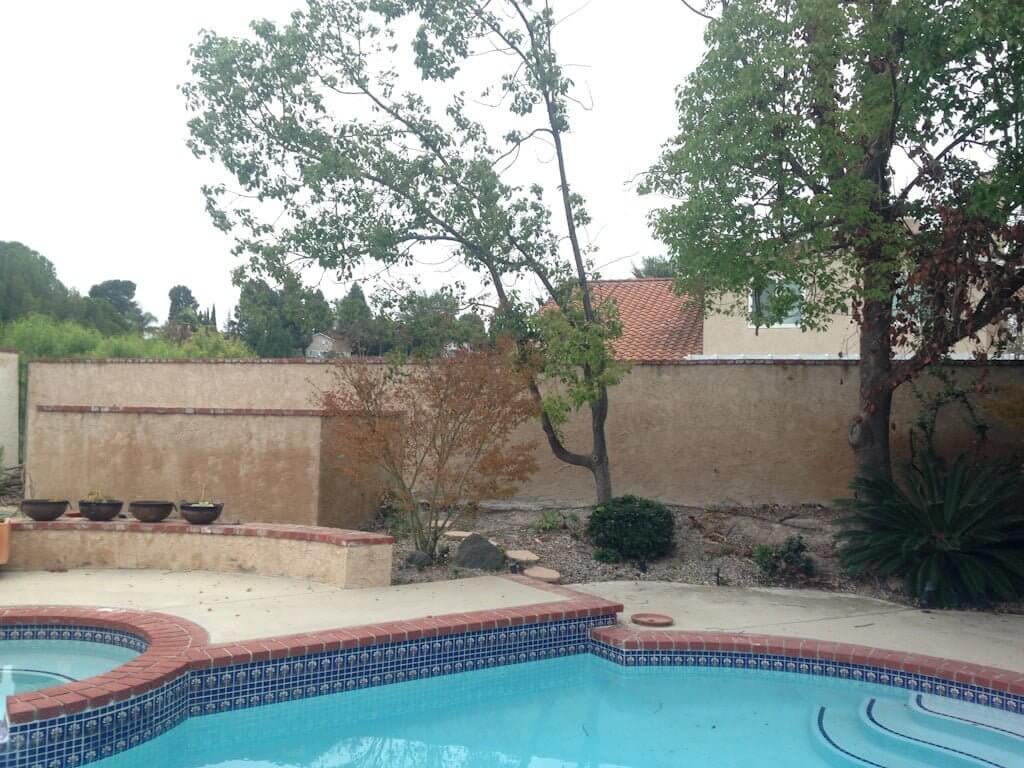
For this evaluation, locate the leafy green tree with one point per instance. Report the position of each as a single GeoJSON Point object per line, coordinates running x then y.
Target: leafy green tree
{"type": "Point", "coordinates": [429, 324]}
{"type": "Point", "coordinates": [655, 266]}
{"type": "Point", "coordinates": [28, 283]}
{"type": "Point", "coordinates": [183, 309]}
{"type": "Point", "coordinates": [368, 333]}
{"type": "Point", "coordinates": [121, 295]}
{"type": "Point", "coordinates": [313, 118]}
{"type": "Point", "coordinates": [869, 155]}
{"type": "Point", "coordinates": [279, 322]}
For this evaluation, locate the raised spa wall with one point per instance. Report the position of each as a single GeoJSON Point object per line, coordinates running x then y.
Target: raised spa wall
{"type": "Point", "coordinates": [347, 559]}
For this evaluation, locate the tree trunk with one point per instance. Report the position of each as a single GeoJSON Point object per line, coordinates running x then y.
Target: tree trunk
{"type": "Point", "coordinates": [869, 433]}
{"type": "Point", "coordinates": [600, 465]}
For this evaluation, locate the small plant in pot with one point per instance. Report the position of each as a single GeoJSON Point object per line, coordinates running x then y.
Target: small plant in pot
{"type": "Point", "coordinates": [149, 511]}
{"type": "Point", "coordinates": [97, 506]}
{"type": "Point", "coordinates": [44, 510]}
{"type": "Point", "coordinates": [202, 512]}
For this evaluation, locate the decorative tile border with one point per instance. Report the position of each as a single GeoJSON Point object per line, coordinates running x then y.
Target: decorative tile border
{"type": "Point", "coordinates": [168, 639]}
{"type": "Point", "coordinates": [74, 633]}
{"type": "Point", "coordinates": [181, 675]}
{"type": "Point", "coordinates": [336, 536]}
{"type": "Point", "coordinates": [974, 683]}
{"type": "Point", "coordinates": [68, 726]}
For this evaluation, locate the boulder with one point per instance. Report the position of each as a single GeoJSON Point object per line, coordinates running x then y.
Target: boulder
{"type": "Point", "coordinates": [457, 535]}
{"type": "Point", "coordinates": [477, 552]}
{"type": "Point", "coordinates": [418, 559]}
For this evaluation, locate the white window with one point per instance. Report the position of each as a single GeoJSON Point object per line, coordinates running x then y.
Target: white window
{"type": "Point", "coordinates": [779, 296]}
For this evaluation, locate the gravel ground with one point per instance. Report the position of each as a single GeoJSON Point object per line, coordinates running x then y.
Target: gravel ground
{"type": "Point", "coordinates": [713, 546]}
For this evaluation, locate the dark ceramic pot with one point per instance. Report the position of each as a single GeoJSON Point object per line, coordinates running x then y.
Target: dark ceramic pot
{"type": "Point", "coordinates": [201, 514]}
{"type": "Point", "coordinates": [43, 510]}
{"type": "Point", "coordinates": [151, 511]}
{"type": "Point", "coordinates": [100, 511]}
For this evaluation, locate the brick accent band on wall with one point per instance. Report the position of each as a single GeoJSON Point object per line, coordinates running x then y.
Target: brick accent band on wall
{"type": "Point", "coordinates": [159, 410]}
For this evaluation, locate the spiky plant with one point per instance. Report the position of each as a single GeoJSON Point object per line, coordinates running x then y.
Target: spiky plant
{"type": "Point", "coordinates": [955, 533]}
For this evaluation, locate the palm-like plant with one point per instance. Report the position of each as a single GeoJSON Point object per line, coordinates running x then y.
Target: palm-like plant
{"type": "Point", "coordinates": [955, 533]}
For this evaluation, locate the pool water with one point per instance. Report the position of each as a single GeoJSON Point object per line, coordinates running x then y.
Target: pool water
{"type": "Point", "coordinates": [561, 713]}
{"type": "Point", "coordinates": [27, 665]}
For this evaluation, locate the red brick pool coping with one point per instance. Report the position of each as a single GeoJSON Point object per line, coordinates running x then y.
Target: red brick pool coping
{"type": "Point", "coordinates": [335, 536]}
{"type": "Point", "coordinates": [962, 672]}
{"type": "Point", "coordinates": [170, 639]}
{"type": "Point", "coordinates": [177, 646]}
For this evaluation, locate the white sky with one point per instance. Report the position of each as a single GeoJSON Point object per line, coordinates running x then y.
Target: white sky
{"type": "Point", "coordinates": [95, 175]}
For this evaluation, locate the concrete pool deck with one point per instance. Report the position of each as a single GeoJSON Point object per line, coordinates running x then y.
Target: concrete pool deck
{"type": "Point", "coordinates": [233, 607]}
{"type": "Point", "coordinates": [990, 639]}
{"type": "Point", "coordinates": [236, 607]}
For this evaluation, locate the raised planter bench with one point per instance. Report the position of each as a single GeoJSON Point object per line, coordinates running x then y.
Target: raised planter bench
{"type": "Point", "coordinates": [347, 559]}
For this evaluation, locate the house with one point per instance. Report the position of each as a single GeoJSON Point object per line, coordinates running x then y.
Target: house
{"type": "Point", "coordinates": [660, 326]}
{"type": "Point", "coordinates": [325, 345]}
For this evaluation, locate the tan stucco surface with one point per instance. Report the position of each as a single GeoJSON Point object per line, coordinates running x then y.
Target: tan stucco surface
{"type": "Point", "coordinates": [732, 334]}
{"type": "Point", "coordinates": [9, 407]}
{"type": "Point", "coordinates": [983, 638]}
{"type": "Point", "coordinates": [709, 433]}
{"type": "Point", "coordinates": [344, 567]}
{"type": "Point", "coordinates": [245, 606]}
{"type": "Point", "coordinates": [721, 433]}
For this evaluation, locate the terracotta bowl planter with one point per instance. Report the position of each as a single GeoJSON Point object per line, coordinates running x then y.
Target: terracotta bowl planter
{"type": "Point", "coordinates": [100, 511]}
{"type": "Point", "coordinates": [201, 514]}
{"type": "Point", "coordinates": [43, 510]}
{"type": "Point", "coordinates": [151, 511]}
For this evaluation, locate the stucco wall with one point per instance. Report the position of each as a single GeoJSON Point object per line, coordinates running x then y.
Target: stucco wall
{"type": "Point", "coordinates": [744, 432]}
{"type": "Point", "coordinates": [37, 548]}
{"type": "Point", "coordinates": [9, 406]}
{"type": "Point", "coordinates": [693, 433]}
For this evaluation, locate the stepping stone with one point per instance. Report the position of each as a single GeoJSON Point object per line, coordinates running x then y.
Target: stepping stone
{"type": "Point", "coordinates": [652, 619]}
{"type": "Point", "coordinates": [541, 573]}
{"type": "Point", "coordinates": [457, 535]}
{"type": "Point", "coordinates": [524, 556]}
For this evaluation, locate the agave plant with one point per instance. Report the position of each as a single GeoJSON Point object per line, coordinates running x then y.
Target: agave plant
{"type": "Point", "coordinates": [955, 533]}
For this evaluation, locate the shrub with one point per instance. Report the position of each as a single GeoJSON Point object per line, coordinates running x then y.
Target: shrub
{"type": "Point", "coordinates": [786, 560]}
{"type": "Point", "coordinates": [633, 528]}
{"type": "Point", "coordinates": [955, 534]}
{"type": "Point", "coordinates": [610, 556]}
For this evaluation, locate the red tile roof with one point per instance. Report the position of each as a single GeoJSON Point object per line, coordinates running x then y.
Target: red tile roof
{"type": "Point", "coordinates": [657, 325]}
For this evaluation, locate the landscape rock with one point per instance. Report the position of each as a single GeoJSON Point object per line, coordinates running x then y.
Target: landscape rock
{"type": "Point", "coordinates": [524, 556]}
{"type": "Point", "coordinates": [418, 559]}
{"type": "Point", "coordinates": [541, 573]}
{"type": "Point", "coordinates": [477, 552]}
{"type": "Point", "coordinates": [457, 535]}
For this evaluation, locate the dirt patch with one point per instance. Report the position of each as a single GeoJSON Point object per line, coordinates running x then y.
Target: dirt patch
{"type": "Point", "coordinates": [713, 546]}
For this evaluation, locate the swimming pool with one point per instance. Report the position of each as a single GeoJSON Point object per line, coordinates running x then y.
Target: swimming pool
{"type": "Point", "coordinates": [28, 665]}
{"type": "Point", "coordinates": [582, 710]}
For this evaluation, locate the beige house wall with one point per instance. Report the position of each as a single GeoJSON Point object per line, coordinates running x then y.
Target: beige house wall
{"type": "Point", "coordinates": [9, 406]}
{"type": "Point", "coordinates": [734, 335]}
{"type": "Point", "coordinates": [729, 332]}
{"type": "Point", "coordinates": [701, 432]}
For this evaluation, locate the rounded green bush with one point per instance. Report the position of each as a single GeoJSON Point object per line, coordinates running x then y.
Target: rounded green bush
{"type": "Point", "coordinates": [634, 528]}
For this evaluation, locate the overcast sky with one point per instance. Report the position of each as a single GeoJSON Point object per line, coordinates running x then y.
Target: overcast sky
{"type": "Point", "coordinates": [97, 178]}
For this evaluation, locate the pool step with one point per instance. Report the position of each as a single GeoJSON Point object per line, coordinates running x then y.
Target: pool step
{"type": "Point", "coordinates": [847, 739]}
{"type": "Point", "coordinates": [963, 717]}
{"type": "Point", "coordinates": [896, 719]}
